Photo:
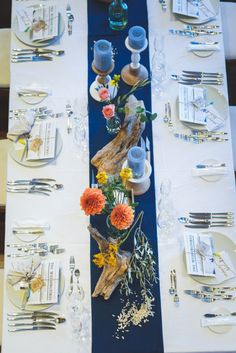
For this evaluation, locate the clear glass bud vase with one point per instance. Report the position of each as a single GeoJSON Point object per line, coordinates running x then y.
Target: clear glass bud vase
{"type": "Point", "coordinates": [118, 15]}
{"type": "Point", "coordinates": [113, 125]}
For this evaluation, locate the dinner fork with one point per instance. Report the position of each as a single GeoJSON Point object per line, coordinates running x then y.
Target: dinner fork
{"type": "Point", "coordinates": [71, 267]}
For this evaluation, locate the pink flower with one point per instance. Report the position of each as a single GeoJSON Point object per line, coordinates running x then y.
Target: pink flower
{"type": "Point", "coordinates": [108, 111]}
{"type": "Point", "coordinates": [104, 94]}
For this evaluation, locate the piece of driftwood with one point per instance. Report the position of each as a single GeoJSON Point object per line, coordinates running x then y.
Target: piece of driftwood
{"type": "Point", "coordinates": [111, 275]}
{"type": "Point", "coordinates": [112, 156]}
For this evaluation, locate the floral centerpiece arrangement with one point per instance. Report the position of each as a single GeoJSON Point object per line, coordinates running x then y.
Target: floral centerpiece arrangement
{"type": "Point", "coordinates": [120, 266]}
{"type": "Point", "coordinates": [115, 105]}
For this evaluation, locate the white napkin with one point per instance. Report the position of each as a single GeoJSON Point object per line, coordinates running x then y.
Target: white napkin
{"type": "Point", "coordinates": [21, 268]}
{"type": "Point", "coordinates": [219, 320]}
{"type": "Point", "coordinates": [21, 126]}
{"type": "Point", "coordinates": [34, 87]}
{"type": "Point", "coordinates": [209, 171]}
{"type": "Point", "coordinates": [203, 47]}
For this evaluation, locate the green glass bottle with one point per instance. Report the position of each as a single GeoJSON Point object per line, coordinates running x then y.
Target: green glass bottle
{"type": "Point", "coordinates": [118, 15]}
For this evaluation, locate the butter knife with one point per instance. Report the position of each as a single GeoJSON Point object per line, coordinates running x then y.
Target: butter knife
{"type": "Point", "coordinates": [35, 313]}
{"type": "Point", "coordinates": [206, 226]}
{"type": "Point", "coordinates": [33, 323]}
{"type": "Point", "coordinates": [31, 58]}
{"type": "Point", "coordinates": [202, 73]}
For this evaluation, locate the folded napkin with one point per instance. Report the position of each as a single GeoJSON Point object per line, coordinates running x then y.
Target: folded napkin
{"type": "Point", "coordinates": [33, 88]}
{"type": "Point", "coordinates": [21, 126]}
{"type": "Point", "coordinates": [203, 47]}
{"type": "Point", "coordinates": [209, 171]}
{"type": "Point", "coordinates": [23, 270]}
{"type": "Point", "coordinates": [218, 321]}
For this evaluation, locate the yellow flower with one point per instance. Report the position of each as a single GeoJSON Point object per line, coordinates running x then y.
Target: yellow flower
{"type": "Point", "coordinates": [115, 80]}
{"type": "Point", "coordinates": [107, 257]}
{"type": "Point", "coordinates": [36, 284]}
{"type": "Point", "coordinates": [126, 174]}
{"type": "Point", "coordinates": [99, 260]}
{"type": "Point", "coordinates": [22, 141]}
{"type": "Point", "coordinates": [102, 177]}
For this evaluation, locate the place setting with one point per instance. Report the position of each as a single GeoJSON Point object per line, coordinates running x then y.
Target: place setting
{"type": "Point", "coordinates": [36, 140]}
{"type": "Point", "coordinates": [39, 26]}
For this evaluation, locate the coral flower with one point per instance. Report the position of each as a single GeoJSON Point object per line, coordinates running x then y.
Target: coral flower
{"type": "Point", "coordinates": [108, 111]}
{"type": "Point", "coordinates": [102, 177]}
{"type": "Point", "coordinates": [104, 94]}
{"type": "Point", "coordinates": [122, 216]}
{"type": "Point", "coordinates": [92, 201]}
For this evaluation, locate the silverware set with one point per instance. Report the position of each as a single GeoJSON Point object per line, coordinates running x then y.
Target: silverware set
{"type": "Point", "coordinates": [203, 136]}
{"type": "Point", "coordinates": [42, 186]}
{"type": "Point", "coordinates": [70, 18]}
{"type": "Point", "coordinates": [194, 32]}
{"type": "Point", "coordinates": [34, 54]}
{"type": "Point", "coordinates": [209, 294]}
{"type": "Point", "coordinates": [33, 321]}
{"type": "Point", "coordinates": [167, 117]}
{"type": "Point", "coordinates": [74, 272]}
{"type": "Point", "coordinates": [173, 286]}
{"type": "Point", "coordinates": [41, 249]}
{"type": "Point", "coordinates": [40, 113]}
{"type": "Point", "coordinates": [196, 77]}
{"type": "Point", "coordinates": [207, 220]}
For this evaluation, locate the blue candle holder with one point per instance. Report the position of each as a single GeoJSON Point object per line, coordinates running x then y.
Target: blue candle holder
{"type": "Point", "coordinates": [134, 72]}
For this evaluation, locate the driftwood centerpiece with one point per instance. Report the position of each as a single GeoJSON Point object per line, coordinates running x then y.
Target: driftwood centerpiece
{"type": "Point", "coordinates": [111, 275]}
{"type": "Point", "coordinates": [112, 156]}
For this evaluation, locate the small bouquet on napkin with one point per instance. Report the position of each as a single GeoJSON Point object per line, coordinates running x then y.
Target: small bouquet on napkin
{"type": "Point", "coordinates": [22, 126]}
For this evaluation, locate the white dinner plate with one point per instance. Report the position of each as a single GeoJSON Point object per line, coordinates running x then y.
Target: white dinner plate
{"type": "Point", "coordinates": [203, 53]}
{"type": "Point", "coordinates": [220, 104]}
{"type": "Point", "coordinates": [201, 20]}
{"type": "Point", "coordinates": [221, 243]}
{"type": "Point", "coordinates": [211, 178]}
{"type": "Point", "coordinates": [26, 237]}
{"type": "Point", "coordinates": [24, 37]}
{"type": "Point", "coordinates": [37, 163]}
{"type": "Point", "coordinates": [16, 297]}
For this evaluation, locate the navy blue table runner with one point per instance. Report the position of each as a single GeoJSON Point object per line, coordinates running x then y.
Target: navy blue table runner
{"type": "Point", "coordinates": [148, 338]}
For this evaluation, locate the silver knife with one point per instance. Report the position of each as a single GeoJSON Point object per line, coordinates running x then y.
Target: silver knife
{"type": "Point", "coordinates": [202, 216]}
{"type": "Point", "coordinates": [205, 82]}
{"type": "Point", "coordinates": [17, 52]}
{"type": "Point", "coordinates": [212, 213]}
{"type": "Point", "coordinates": [31, 180]}
{"type": "Point", "coordinates": [206, 226]}
{"type": "Point", "coordinates": [28, 191]}
{"type": "Point", "coordinates": [201, 73]}
{"type": "Point", "coordinates": [33, 58]}
{"type": "Point", "coordinates": [30, 313]}
{"type": "Point", "coordinates": [36, 322]}
{"type": "Point", "coordinates": [32, 328]}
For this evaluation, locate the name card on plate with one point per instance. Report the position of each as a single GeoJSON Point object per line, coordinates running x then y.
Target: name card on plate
{"type": "Point", "coordinates": [199, 254]}
{"type": "Point", "coordinates": [42, 143]}
{"type": "Point", "coordinates": [49, 271]}
{"type": "Point", "coordinates": [45, 23]}
{"type": "Point", "coordinates": [192, 101]}
{"type": "Point", "coordinates": [188, 8]}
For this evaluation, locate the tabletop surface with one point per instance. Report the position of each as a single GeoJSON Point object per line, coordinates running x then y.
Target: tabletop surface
{"type": "Point", "coordinates": [173, 159]}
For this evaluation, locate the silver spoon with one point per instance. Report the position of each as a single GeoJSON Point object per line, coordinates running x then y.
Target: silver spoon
{"type": "Point", "coordinates": [79, 288]}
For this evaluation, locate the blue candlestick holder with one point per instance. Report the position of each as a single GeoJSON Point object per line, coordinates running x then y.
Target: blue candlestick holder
{"type": "Point", "coordinates": [134, 72]}
{"type": "Point", "coordinates": [102, 80]}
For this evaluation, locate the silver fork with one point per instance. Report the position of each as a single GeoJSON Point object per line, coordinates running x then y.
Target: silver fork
{"type": "Point", "coordinates": [71, 267]}
{"type": "Point", "coordinates": [176, 297]}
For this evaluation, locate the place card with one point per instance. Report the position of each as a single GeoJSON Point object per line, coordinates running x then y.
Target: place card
{"type": "Point", "coordinates": [214, 120]}
{"type": "Point", "coordinates": [45, 23]}
{"type": "Point", "coordinates": [192, 101]}
{"type": "Point", "coordinates": [42, 141]}
{"type": "Point", "coordinates": [188, 8]}
{"type": "Point", "coordinates": [224, 267]}
{"type": "Point", "coordinates": [49, 272]}
{"type": "Point", "coordinates": [199, 253]}
{"type": "Point", "coordinates": [206, 10]}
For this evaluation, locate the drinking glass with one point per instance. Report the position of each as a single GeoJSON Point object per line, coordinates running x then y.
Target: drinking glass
{"type": "Point", "coordinates": [158, 71]}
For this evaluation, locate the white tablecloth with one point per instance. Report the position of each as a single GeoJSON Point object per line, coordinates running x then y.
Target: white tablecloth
{"type": "Point", "coordinates": [67, 77]}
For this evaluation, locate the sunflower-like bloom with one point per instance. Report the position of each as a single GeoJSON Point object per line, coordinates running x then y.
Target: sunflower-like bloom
{"type": "Point", "coordinates": [115, 80]}
{"type": "Point", "coordinates": [92, 201]}
{"type": "Point", "coordinates": [106, 257]}
{"type": "Point", "coordinates": [126, 174]}
{"type": "Point", "coordinates": [102, 177]}
{"type": "Point", "coordinates": [99, 259]}
{"type": "Point", "coordinates": [122, 216]}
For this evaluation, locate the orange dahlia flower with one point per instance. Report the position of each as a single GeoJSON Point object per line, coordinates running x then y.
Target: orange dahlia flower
{"type": "Point", "coordinates": [92, 201]}
{"type": "Point", "coordinates": [122, 216]}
